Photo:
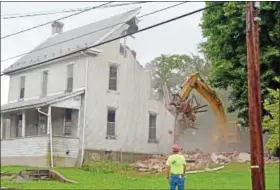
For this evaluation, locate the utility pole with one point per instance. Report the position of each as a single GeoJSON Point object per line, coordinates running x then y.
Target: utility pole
{"type": "Point", "coordinates": [254, 96]}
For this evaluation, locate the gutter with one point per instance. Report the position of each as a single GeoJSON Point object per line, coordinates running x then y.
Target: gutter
{"type": "Point", "coordinates": [85, 110]}
{"type": "Point", "coordinates": [50, 132]}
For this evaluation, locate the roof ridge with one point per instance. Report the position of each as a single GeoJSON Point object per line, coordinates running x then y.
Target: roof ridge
{"type": "Point", "coordinates": [96, 22]}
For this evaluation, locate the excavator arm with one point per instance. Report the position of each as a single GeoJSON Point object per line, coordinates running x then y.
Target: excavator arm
{"type": "Point", "coordinates": [197, 83]}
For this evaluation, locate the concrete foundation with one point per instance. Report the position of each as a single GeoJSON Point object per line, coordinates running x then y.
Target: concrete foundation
{"type": "Point", "coordinates": [97, 155]}
{"type": "Point", "coordinates": [39, 161]}
{"type": "Point", "coordinates": [60, 161]}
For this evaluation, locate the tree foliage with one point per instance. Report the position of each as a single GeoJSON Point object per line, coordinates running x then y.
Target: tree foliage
{"type": "Point", "coordinates": [224, 27]}
{"type": "Point", "coordinates": [173, 69]}
{"type": "Point", "coordinates": [271, 123]}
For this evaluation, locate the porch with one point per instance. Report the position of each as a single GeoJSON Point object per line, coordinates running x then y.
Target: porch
{"type": "Point", "coordinates": [40, 135]}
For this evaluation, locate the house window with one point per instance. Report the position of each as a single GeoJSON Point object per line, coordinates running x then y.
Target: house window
{"type": "Point", "coordinates": [152, 127]}
{"type": "Point", "coordinates": [22, 87]}
{"type": "Point", "coordinates": [19, 126]}
{"type": "Point", "coordinates": [68, 122]}
{"type": "Point", "coordinates": [70, 71]}
{"type": "Point", "coordinates": [113, 77]}
{"type": "Point", "coordinates": [45, 83]}
{"type": "Point", "coordinates": [111, 122]}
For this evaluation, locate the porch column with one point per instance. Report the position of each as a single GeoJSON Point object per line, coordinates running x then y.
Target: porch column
{"type": "Point", "coordinates": [49, 128]}
{"type": "Point", "coordinates": [79, 123]}
{"type": "Point", "coordinates": [1, 126]}
{"type": "Point", "coordinates": [23, 124]}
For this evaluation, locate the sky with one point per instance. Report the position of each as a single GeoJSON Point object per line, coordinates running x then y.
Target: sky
{"type": "Point", "coordinates": [179, 37]}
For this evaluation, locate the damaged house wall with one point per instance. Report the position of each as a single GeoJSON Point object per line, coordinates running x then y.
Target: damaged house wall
{"type": "Point", "coordinates": [201, 139]}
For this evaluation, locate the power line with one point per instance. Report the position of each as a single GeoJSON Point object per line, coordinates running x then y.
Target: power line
{"type": "Point", "coordinates": [160, 10]}
{"type": "Point", "coordinates": [111, 40]}
{"type": "Point", "coordinates": [9, 35]}
{"type": "Point", "coordinates": [148, 14]}
{"type": "Point", "coordinates": [13, 16]}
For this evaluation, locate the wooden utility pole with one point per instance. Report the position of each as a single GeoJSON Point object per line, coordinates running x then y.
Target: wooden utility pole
{"type": "Point", "coordinates": [254, 96]}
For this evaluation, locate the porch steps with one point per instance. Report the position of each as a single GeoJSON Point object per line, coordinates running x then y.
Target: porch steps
{"type": "Point", "coordinates": [44, 175]}
{"type": "Point", "coordinates": [36, 174]}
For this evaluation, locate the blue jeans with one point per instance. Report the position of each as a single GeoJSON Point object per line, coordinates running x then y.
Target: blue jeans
{"type": "Point", "coordinates": [176, 180]}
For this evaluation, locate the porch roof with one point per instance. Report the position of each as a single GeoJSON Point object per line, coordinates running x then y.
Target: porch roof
{"type": "Point", "coordinates": [38, 102]}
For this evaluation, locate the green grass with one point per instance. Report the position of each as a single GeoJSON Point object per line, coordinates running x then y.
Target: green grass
{"type": "Point", "coordinates": [233, 176]}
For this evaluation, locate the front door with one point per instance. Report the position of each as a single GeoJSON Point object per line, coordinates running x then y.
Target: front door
{"type": "Point", "coordinates": [42, 127]}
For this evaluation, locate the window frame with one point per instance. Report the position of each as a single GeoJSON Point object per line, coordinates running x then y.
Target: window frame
{"type": "Point", "coordinates": [111, 136]}
{"type": "Point", "coordinates": [117, 66]}
{"type": "Point", "coordinates": [70, 121]}
{"type": "Point", "coordinates": [19, 117]}
{"type": "Point", "coordinates": [43, 94]}
{"type": "Point", "coordinates": [150, 127]}
{"type": "Point", "coordinates": [20, 87]}
{"type": "Point", "coordinates": [67, 77]}
{"type": "Point", "coordinates": [43, 118]}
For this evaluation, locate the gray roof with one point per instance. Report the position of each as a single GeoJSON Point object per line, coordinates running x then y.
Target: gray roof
{"type": "Point", "coordinates": [37, 102]}
{"type": "Point", "coordinates": [64, 44]}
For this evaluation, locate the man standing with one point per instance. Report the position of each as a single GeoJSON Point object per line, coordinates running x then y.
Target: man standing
{"type": "Point", "coordinates": [176, 169]}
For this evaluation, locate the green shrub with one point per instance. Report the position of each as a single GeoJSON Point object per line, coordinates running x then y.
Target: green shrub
{"type": "Point", "coordinates": [105, 167]}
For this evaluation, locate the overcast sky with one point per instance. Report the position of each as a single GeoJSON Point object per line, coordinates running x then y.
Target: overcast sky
{"type": "Point", "coordinates": [181, 36]}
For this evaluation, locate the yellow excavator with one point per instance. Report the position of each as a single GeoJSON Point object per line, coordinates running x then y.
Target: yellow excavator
{"type": "Point", "coordinates": [181, 103]}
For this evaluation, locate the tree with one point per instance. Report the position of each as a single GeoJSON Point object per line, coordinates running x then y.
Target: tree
{"type": "Point", "coordinates": [271, 123]}
{"type": "Point", "coordinates": [173, 69]}
{"type": "Point", "coordinates": [224, 27]}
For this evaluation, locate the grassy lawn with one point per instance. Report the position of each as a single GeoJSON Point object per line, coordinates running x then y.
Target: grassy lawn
{"type": "Point", "coordinates": [233, 176]}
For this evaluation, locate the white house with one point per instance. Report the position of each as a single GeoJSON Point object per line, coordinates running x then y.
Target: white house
{"type": "Point", "coordinates": [92, 104]}
{"type": "Point", "coordinates": [86, 105]}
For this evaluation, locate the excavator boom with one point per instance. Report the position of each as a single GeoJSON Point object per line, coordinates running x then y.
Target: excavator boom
{"type": "Point", "coordinates": [197, 83]}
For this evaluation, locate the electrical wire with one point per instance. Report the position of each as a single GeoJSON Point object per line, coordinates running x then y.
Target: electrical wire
{"type": "Point", "coordinates": [160, 10]}
{"type": "Point", "coordinates": [12, 34]}
{"type": "Point", "coordinates": [13, 16]}
{"type": "Point", "coordinates": [117, 38]}
{"type": "Point", "coordinates": [142, 16]}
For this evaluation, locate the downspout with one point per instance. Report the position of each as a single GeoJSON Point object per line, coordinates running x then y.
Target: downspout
{"type": "Point", "coordinates": [85, 111]}
{"type": "Point", "coordinates": [50, 132]}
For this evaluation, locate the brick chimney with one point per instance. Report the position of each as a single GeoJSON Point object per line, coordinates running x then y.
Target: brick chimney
{"type": "Point", "coordinates": [57, 27]}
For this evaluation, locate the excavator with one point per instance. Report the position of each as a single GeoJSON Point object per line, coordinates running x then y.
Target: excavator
{"type": "Point", "coordinates": [181, 105]}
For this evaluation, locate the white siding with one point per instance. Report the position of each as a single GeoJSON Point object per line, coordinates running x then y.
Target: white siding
{"type": "Point", "coordinates": [63, 144]}
{"type": "Point", "coordinates": [56, 79]}
{"type": "Point", "coordinates": [33, 146]}
{"type": "Point", "coordinates": [131, 101]}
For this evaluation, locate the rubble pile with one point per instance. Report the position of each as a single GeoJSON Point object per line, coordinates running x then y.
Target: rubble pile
{"type": "Point", "coordinates": [195, 160]}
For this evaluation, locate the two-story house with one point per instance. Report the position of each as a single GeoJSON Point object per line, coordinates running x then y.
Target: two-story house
{"type": "Point", "coordinates": [85, 105]}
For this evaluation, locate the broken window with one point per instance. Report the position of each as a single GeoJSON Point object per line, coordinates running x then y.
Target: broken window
{"type": "Point", "coordinates": [68, 122]}
{"type": "Point", "coordinates": [19, 125]}
{"type": "Point", "coordinates": [22, 87]}
{"type": "Point", "coordinates": [113, 75]}
{"type": "Point", "coordinates": [70, 73]}
{"type": "Point", "coordinates": [152, 127]}
{"type": "Point", "coordinates": [111, 122]}
{"type": "Point", "coordinates": [45, 83]}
